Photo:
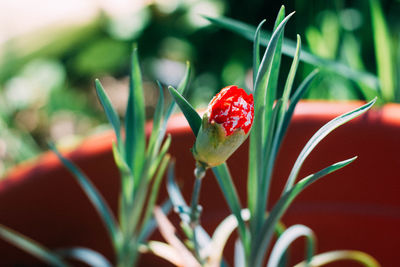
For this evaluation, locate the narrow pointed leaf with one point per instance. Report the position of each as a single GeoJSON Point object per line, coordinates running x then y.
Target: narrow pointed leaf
{"type": "Point", "coordinates": [256, 50]}
{"type": "Point", "coordinates": [94, 196]}
{"type": "Point", "coordinates": [155, 189]}
{"type": "Point", "coordinates": [126, 174]}
{"type": "Point", "coordinates": [287, 238]}
{"type": "Point", "coordinates": [182, 89]}
{"type": "Point", "coordinates": [264, 237]}
{"type": "Point", "coordinates": [252, 174]}
{"type": "Point", "coordinates": [158, 157]}
{"type": "Point", "coordinates": [31, 247]}
{"type": "Point", "coordinates": [298, 94]}
{"type": "Point", "coordinates": [190, 113]}
{"type": "Point", "coordinates": [85, 255]}
{"type": "Point", "coordinates": [277, 118]}
{"type": "Point", "coordinates": [383, 51]}
{"type": "Point", "coordinates": [290, 79]}
{"type": "Point", "coordinates": [289, 47]}
{"type": "Point", "coordinates": [135, 120]}
{"type": "Point", "coordinates": [319, 135]}
{"type": "Point", "coordinates": [144, 188]}
{"type": "Point", "coordinates": [340, 255]}
{"type": "Point", "coordinates": [224, 179]}
{"type": "Point", "coordinates": [274, 73]}
{"type": "Point", "coordinates": [153, 145]}
{"type": "Point", "coordinates": [111, 114]}
{"type": "Point", "coordinates": [264, 98]}
{"type": "Point", "coordinates": [257, 135]}
{"type": "Point", "coordinates": [280, 132]}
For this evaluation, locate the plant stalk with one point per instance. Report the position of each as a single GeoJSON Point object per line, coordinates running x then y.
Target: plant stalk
{"type": "Point", "coordinates": [195, 210]}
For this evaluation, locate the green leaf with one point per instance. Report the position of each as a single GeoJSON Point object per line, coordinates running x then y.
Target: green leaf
{"type": "Point", "coordinates": [156, 161]}
{"type": "Point", "coordinates": [383, 51]}
{"type": "Point", "coordinates": [182, 88]}
{"type": "Point", "coordinates": [120, 161]}
{"type": "Point", "coordinates": [287, 238]}
{"type": "Point", "coordinates": [155, 189]}
{"type": "Point", "coordinates": [274, 74]}
{"type": "Point", "coordinates": [110, 112]}
{"type": "Point", "coordinates": [260, 93]}
{"type": "Point", "coordinates": [281, 130]}
{"type": "Point", "coordinates": [152, 145]}
{"type": "Point", "coordinates": [289, 81]}
{"type": "Point", "coordinates": [224, 179]}
{"type": "Point", "coordinates": [126, 185]}
{"type": "Point", "coordinates": [252, 172]}
{"type": "Point", "coordinates": [341, 255]}
{"type": "Point", "coordinates": [289, 47]}
{"type": "Point", "coordinates": [264, 98]}
{"type": "Point", "coordinates": [31, 247]}
{"type": "Point", "coordinates": [94, 196]}
{"type": "Point", "coordinates": [256, 50]}
{"type": "Point", "coordinates": [298, 94]}
{"type": "Point", "coordinates": [85, 255]}
{"type": "Point", "coordinates": [190, 113]}
{"type": "Point", "coordinates": [135, 139]}
{"type": "Point", "coordinates": [321, 134]}
{"type": "Point", "coordinates": [263, 238]}
{"type": "Point", "coordinates": [277, 120]}
{"type": "Point", "coordinates": [137, 206]}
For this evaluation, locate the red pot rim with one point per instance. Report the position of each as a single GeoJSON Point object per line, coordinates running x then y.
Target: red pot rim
{"type": "Point", "coordinates": [388, 114]}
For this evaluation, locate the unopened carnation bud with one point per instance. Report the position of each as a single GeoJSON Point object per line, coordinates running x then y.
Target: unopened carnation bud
{"type": "Point", "coordinates": [225, 126]}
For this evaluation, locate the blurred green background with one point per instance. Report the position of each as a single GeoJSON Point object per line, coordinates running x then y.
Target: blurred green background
{"type": "Point", "coordinates": [50, 54]}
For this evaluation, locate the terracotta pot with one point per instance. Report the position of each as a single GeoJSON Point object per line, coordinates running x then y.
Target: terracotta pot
{"type": "Point", "coordinates": [357, 207]}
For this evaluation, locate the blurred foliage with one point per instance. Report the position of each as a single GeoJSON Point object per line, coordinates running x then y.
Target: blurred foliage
{"type": "Point", "coordinates": [46, 80]}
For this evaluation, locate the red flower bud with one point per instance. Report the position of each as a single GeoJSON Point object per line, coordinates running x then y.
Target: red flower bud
{"type": "Point", "coordinates": [225, 126]}
{"type": "Point", "coordinates": [233, 108]}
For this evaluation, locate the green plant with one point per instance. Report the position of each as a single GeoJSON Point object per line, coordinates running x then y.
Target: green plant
{"type": "Point", "coordinates": [141, 168]}
{"type": "Point", "coordinates": [383, 82]}
{"type": "Point", "coordinates": [255, 225]}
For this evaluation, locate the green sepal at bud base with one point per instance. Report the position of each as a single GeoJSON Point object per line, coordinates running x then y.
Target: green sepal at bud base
{"type": "Point", "coordinates": [213, 147]}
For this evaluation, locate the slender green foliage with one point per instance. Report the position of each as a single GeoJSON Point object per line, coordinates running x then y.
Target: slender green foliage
{"type": "Point", "coordinates": [110, 111]}
{"type": "Point", "coordinates": [95, 197]}
{"type": "Point", "coordinates": [31, 247]}
{"type": "Point", "coordinates": [85, 255]}
{"type": "Point", "coordinates": [321, 134]}
{"type": "Point", "coordinates": [134, 120]}
{"type": "Point", "coordinates": [341, 255]}
{"type": "Point", "coordinates": [190, 113]}
{"type": "Point", "coordinates": [383, 51]}
{"type": "Point", "coordinates": [262, 240]}
{"type": "Point", "coordinates": [289, 47]}
{"type": "Point", "coordinates": [271, 120]}
{"type": "Point", "coordinates": [287, 238]}
{"type": "Point", "coordinates": [264, 95]}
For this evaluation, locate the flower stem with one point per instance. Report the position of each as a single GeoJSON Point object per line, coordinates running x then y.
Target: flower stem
{"type": "Point", "coordinates": [195, 210]}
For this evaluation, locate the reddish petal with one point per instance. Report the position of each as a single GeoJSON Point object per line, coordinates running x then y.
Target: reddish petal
{"type": "Point", "coordinates": [233, 108]}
